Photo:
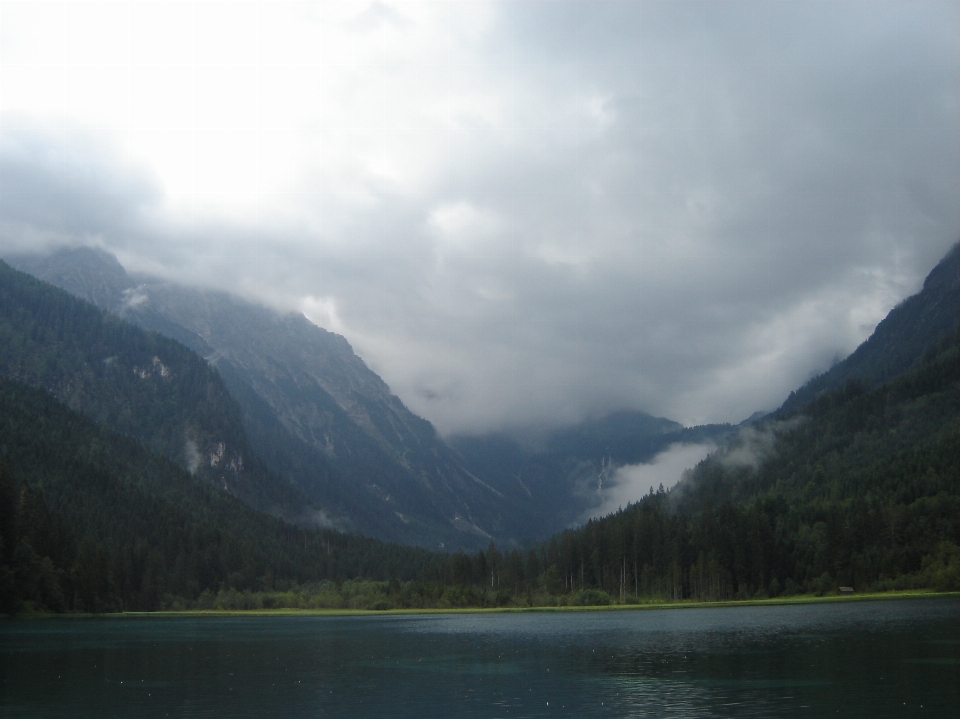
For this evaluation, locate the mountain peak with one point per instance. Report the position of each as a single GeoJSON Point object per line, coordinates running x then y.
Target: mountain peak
{"type": "Point", "coordinates": [87, 272]}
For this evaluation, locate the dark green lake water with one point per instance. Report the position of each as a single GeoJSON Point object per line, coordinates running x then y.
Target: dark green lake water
{"type": "Point", "coordinates": [860, 659]}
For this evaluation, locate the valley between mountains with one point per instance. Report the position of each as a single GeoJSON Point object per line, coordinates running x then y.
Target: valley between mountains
{"type": "Point", "coordinates": [161, 443]}
{"type": "Point", "coordinates": [320, 419]}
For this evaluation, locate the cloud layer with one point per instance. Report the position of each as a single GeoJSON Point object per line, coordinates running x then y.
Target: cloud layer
{"type": "Point", "coordinates": [632, 481]}
{"type": "Point", "coordinates": [517, 212]}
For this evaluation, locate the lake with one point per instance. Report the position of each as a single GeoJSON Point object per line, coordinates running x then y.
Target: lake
{"type": "Point", "coordinates": [855, 659]}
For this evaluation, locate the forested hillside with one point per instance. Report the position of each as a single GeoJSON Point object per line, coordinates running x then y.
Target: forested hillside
{"type": "Point", "coordinates": [860, 488]}
{"type": "Point", "coordinates": [92, 521]}
{"type": "Point", "coordinates": [135, 382]}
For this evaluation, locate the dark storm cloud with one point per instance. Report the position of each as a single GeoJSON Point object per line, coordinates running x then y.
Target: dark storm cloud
{"type": "Point", "coordinates": [686, 208]}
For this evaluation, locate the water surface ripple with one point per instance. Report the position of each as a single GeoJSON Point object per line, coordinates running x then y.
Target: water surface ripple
{"type": "Point", "coordinates": [872, 659]}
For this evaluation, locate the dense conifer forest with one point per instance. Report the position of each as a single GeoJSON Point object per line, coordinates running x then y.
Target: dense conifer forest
{"type": "Point", "coordinates": [92, 521]}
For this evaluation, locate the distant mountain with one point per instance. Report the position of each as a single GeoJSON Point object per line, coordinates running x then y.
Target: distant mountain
{"type": "Point", "coordinates": [900, 341]}
{"type": "Point", "coordinates": [562, 471]}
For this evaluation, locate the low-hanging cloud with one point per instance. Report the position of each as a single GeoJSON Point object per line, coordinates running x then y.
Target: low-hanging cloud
{"type": "Point", "coordinates": [526, 213]}
{"type": "Point", "coordinates": [755, 444]}
{"type": "Point", "coordinates": [631, 482]}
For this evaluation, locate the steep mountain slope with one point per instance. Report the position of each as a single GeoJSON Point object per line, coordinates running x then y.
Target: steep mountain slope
{"type": "Point", "coordinates": [329, 400]}
{"type": "Point", "coordinates": [92, 521]}
{"type": "Point", "coordinates": [308, 401]}
{"type": "Point", "coordinates": [144, 385]}
{"type": "Point", "coordinates": [901, 339]}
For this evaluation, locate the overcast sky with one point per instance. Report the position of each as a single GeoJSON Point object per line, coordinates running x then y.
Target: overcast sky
{"type": "Point", "coordinates": [517, 212]}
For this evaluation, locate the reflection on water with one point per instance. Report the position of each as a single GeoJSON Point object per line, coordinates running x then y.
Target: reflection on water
{"type": "Point", "coordinates": [874, 659]}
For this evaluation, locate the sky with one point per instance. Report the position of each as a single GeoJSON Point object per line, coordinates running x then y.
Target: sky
{"type": "Point", "coordinates": [519, 213]}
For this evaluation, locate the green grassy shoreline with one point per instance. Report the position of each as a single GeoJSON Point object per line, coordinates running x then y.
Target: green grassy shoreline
{"type": "Point", "coordinates": [652, 606]}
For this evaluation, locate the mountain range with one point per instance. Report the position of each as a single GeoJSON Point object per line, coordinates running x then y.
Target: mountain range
{"type": "Point", "coordinates": [168, 442]}
{"type": "Point", "coordinates": [322, 421]}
